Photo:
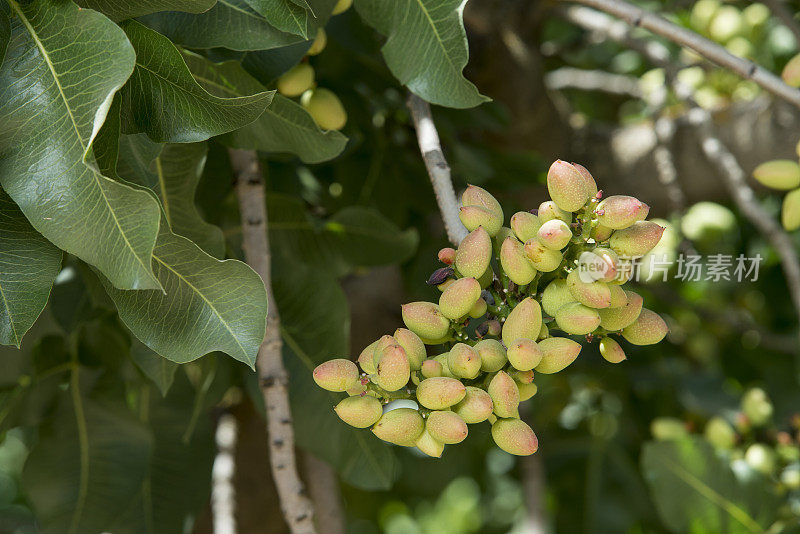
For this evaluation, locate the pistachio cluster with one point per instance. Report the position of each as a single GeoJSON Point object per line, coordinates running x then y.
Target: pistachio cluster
{"type": "Point", "coordinates": [488, 333]}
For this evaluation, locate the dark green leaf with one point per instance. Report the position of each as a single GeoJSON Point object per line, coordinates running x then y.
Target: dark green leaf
{"type": "Point", "coordinates": [121, 9]}
{"type": "Point", "coordinates": [5, 33]}
{"type": "Point", "coordinates": [160, 370]}
{"type": "Point", "coordinates": [56, 85]}
{"type": "Point", "coordinates": [266, 65]}
{"type": "Point", "coordinates": [283, 14]}
{"type": "Point", "coordinates": [163, 100]}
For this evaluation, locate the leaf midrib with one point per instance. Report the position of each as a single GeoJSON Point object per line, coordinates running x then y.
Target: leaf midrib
{"type": "Point", "coordinates": [436, 33]}
{"type": "Point", "coordinates": [10, 317]}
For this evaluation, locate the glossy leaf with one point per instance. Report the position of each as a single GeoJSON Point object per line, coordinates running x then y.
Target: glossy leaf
{"type": "Point", "coordinates": [160, 370]}
{"type": "Point", "coordinates": [164, 101]}
{"type": "Point", "coordinates": [266, 65]}
{"type": "Point", "coordinates": [283, 14]}
{"type": "Point", "coordinates": [56, 85]}
{"type": "Point", "coordinates": [5, 33]}
{"type": "Point", "coordinates": [284, 127]}
{"type": "Point", "coordinates": [28, 265]}
{"type": "Point", "coordinates": [426, 47]}
{"type": "Point", "coordinates": [121, 9]}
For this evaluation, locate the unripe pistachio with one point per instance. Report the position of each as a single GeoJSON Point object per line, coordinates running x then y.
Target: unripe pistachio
{"type": "Point", "coordinates": [624, 273]}
{"type": "Point", "coordinates": [430, 446]}
{"type": "Point", "coordinates": [544, 333]}
{"type": "Point", "coordinates": [618, 296]}
{"type": "Point", "coordinates": [442, 359]}
{"type": "Point", "coordinates": [515, 263]}
{"type": "Point", "coordinates": [557, 353]}
{"type": "Point", "coordinates": [524, 354]}
{"type": "Point", "coordinates": [555, 295]}
{"type": "Point", "coordinates": [492, 354]}
{"type": "Point", "coordinates": [782, 174]}
{"type": "Point", "coordinates": [413, 345]}
{"type": "Point", "coordinates": [464, 361]}
{"type": "Point", "coordinates": [601, 233]}
{"type": "Point", "coordinates": [621, 211]}
{"type": "Point", "coordinates": [576, 319]}
{"type": "Point", "coordinates": [341, 6]}
{"type": "Point", "coordinates": [415, 378]}
{"type": "Point", "coordinates": [549, 210]}
{"type": "Point", "coordinates": [526, 391]}
{"type": "Point", "coordinates": [319, 42]}
{"type": "Point", "coordinates": [474, 253]}
{"type": "Point", "coordinates": [636, 240]}
{"type": "Point", "coordinates": [358, 389]}
{"type": "Point", "coordinates": [426, 320]}
{"type": "Point", "coordinates": [761, 458]}
{"type": "Point", "coordinates": [494, 327]}
{"type": "Point", "coordinates": [667, 428]}
{"type": "Point", "coordinates": [791, 72]}
{"type": "Point", "coordinates": [444, 285]}
{"type": "Point", "coordinates": [478, 309]}
{"type": "Point", "coordinates": [402, 426]}
{"type": "Point", "coordinates": [336, 375]}
{"type": "Point", "coordinates": [393, 368]}
{"type": "Point", "coordinates": [359, 412]}
{"type": "Point", "coordinates": [554, 234]}
{"type": "Point", "coordinates": [475, 216]}
{"type": "Point", "coordinates": [522, 377]}
{"type": "Point", "coordinates": [592, 294]}
{"type": "Point", "coordinates": [439, 393]}
{"type": "Point", "coordinates": [505, 395]}
{"type": "Point", "coordinates": [296, 80]}
{"type": "Point", "coordinates": [497, 241]}
{"type": "Point", "coordinates": [367, 358]}
{"type": "Point", "coordinates": [757, 406]}
{"type": "Point", "coordinates": [525, 225]}
{"type": "Point", "coordinates": [588, 179]}
{"type": "Point", "coordinates": [515, 437]}
{"type": "Point", "coordinates": [477, 196]}
{"type": "Point", "coordinates": [446, 427]}
{"type": "Point", "coordinates": [325, 108]}
{"type": "Point", "coordinates": [524, 321]}
{"type": "Point", "coordinates": [456, 301]}
{"type": "Point", "coordinates": [475, 407]}
{"type": "Point", "coordinates": [486, 278]}
{"type": "Point", "coordinates": [431, 369]}
{"type": "Point", "coordinates": [790, 477]}
{"type": "Point", "coordinates": [790, 212]}
{"type": "Point", "coordinates": [614, 319]}
{"type": "Point", "coordinates": [720, 434]}
{"type": "Point", "coordinates": [447, 255]}
{"type": "Point", "coordinates": [611, 351]}
{"type": "Point", "coordinates": [544, 259]}
{"type": "Point", "coordinates": [383, 342]}
{"type": "Point", "coordinates": [566, 185]}
{"type": "Point", "coordinates": [648, 329]}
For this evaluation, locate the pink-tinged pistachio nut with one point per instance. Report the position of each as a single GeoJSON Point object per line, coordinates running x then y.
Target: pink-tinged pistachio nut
{"type": "Point", "coordinates": [382, 343]}
{"type": "Point", "coordinates": [476, 407]}
{"type": "Point", "coordinates": [601, 233]}
{"type": "Point", "coordinates": [524, 354]}
{"type": "Point", "coordinates": [463, 361]}
{"type": "Point", "coordinates": [358, 389]}
{"type": "Point", "coordinates": [648, 329]}
{"type": "Point", "coordinates": [439, 393]}
{"type": "Point", "coordinates": [515, 437]}
{"type": "Point", "coordinates": [367, 358]}
{"type": "Point", "coordinates": [393, 369]}
{"type": "Point", "coordinates": [426, 320]}
{"type": "Point", "coordinates": [440, 276]}
{"type": "Point", "coordinates": [336, 375]}
{"type": "Point", "coordinates": [624, 272]}
{"type": "Point", "coordinates": [446, 427]}
{"type": "Point", "coordinates": [359, 412]}
{"type": "Point", "coordinates": [474, 253]}
{"type": "Point", "coordinates": [549, 210]}
{"type": "Point", "coordinates": [557, 353]}
{"type": "Point", "coordinates": [478, 309]}
{"type": "Point", "coordinates": [592, 294]}
{"type": "Point", "coordinates": [494, 327]}
{"type": "Point", "coordinates": [567, 187]}
{"type": "Point", "coordinates": [636, 240]}
{"type": "Point", "coordinates": [544, 259]}
{"type": "Point", "coordinates": [524, 321]}
{"type": "Point", "coordinates": [791, 72]}
{"type": "Point", "coordinates": [614, 319]}
{"type": "Point", "coordinates": [477, 196]}
{"type": "Point", "coordinates": [554, 234]}
{"type": "Point", "coordinates": [782, 174]}
{"type": "Point", "coordinates": [526, 391]}
{"type": "Point", "coordinates": [457, 300]}
{"type": "Point", "coordinates": [577, 319]}
{"type": "Point", "coordinates": [505, 395]}
{"type": "Point", "coordinates": [447, 255]}
{"type": "Point", "coordinates": [544, 333]}
{"type": "Point", "coordinates": [522, 377]}
{"type": "Point", "coordinates": [621, 211]}
{"type": "Point", "coordinates": [525, 225]}
{"type": "Point", "coordinates": [475, 216]}
{"type": "Point", "coordinates": [497, 240]}
{"type": "Point", "coordinates": [790, 212]}
{"type": "Point", "coordinates": [492, 354]}
{"type": "Point", "coordinates": [402, 426]}
{"type": "Point", "coordinates": [429, 446]}
{"type": "Point", "coordinates": [413, 345]}
{"type": "Point", "coordinates": [555, 295]}
{"type": "Point", "coordinates": [515, 263]}
{"type": "Point", "coordinates": [431, 369]}
{"type": "Point", "coordinates": [618, 296]}
{"type": "Point", "coordinates": [591, 184]}
{"type": "Point", "coordinates": [611, 350]}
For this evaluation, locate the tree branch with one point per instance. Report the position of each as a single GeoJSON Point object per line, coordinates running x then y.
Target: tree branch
{"type": "Point", "coordinates": [637, 17]}
{"type": "Point", "coordinates": [297, 509]}
{"type": "Point", "coordinates": [326, 494]}
{"type": "Point", "coordinates": [593, 80]}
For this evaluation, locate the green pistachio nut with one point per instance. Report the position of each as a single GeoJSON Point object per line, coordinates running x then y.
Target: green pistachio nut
{"type": "Point", "coordinates": [543, 258]}
{"type": "Point", "coordinates": [474, 253]}
{"type": "Point", "coordinates": [402, 426]}
{"type": "Point", "coordinates": [442, 359]}
{"type": "Point", "coordinates": [494, 327]}
{"type": "Point", "coordinates": [618, 296]}
{"type": "Point", "coordinates": [524, 354]}
{"type": "Point", "coordinates": [478, 309]}
{"type": "Point", "coordinates": [549, 210]}
{"type": "Point", "coordinates": [515, 263]}
{"type": "Point", "coordinates": [592, 294]}
{"type": "Point", "coordinates": [757, 406]}
{"type": "Point", "coordinates": [497, 241]}
{"type": "Point", "coordinates": [393, 369]}
{"type": "Point", "coordinates": [555, 295]}
{"type": "Point", "coordinates": [447, 255]}
{"type": "Point", "coordinates": [567, 187]}
{"type": "Point", "coordinates": [524, 321]}
{"type": "Point", "coordinates": [791, 72]}
{"type": "Point", "coordinates": [505, 395]}
{"type": "Point", "coordinates": [475, 407]}
{"type": "Point", "coordinates": [588, 179]}
{"type": "Point", "coordinates": [336, 375]}
{"type": "Point", "coordinates": [636, 240]}
{"type": "Point", "coordinates": [325, 108]}
{"type": "Point", "coordinates": [614, 319]}
{"type": "Point", "coordinates": [458, 299]}
{"type": "Point", "coordinates": [611, 351]}
{"type": "Point", "coordinates": [668, 428]}
{"type": "Point", "coordinates": [446, 427]}
{"type": "Point", "coordinates": [526, 391]}
{"type": "Point", "coordinates": [554, 234]}
{"type": "Point", "coordinates": [367, 358]}
{"type": "Point", "coordinates": [431, 369]}
{"type": "Point", "coordinates": [413, 345]}
{"type": "Point", "coordinates": [761, 458]}
{"type": "Point", "coordinates": [525, 225]}
{"type": "Point", "coordinates": [486, 278]}
{"type": "Point", "coordinates": [477, 196]}
{"type": "Point", "coordinates": [620, 211]}
{"type": "Point", "coordinates": [359, 411]}
{"type": "Point", "coordinates": [720, 434]}
{"type": "Point", "coordinates": [544, 333]}
{"type": "Point", "coordinates": [296, 80]}
{"type": "Point", "coordinates": [426, 320]}
{"type": "Point", "coordinates": [648, 329]}
{"type": "Point", "coordinates": [439, 393]}
{"type": "Point", "coordinates": [341, 6]}
{"type": "Point", "coordinates": [463, 361]}
{"type": "Point", "coordinates": [430, 446]}
{"type": "Point", "coordinates": [474, 217]}
{"type": "Point", "coordinates": [515, 437]}
{"type": "Point", "coordinates": [790, 211]}
{"type": "Point", "coordinates": [557, 353]}
{"type": "Point", "coordinates": [790, 477]}
{"type": "Point", "coordinates": [577, 319]}
{"type": "Point", "coordinates": [383, 342]}
{"type": "Point", "coordinates": [782, 174]}
{"type": "Point", "coordinates": [522, 377]}
{"type": "Point", "coordinates": [319, 43]}
{"type": "Point", "coordinates": [601, 233]}
{"type": "Point", "coordinates": [492, 355]}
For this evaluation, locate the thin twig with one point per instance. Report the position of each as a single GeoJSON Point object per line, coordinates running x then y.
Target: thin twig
{"type": "Point", "coordinates": [223, 492]}
{"type": "Point", "coordinates": [640, 18]}
{"type": "Point", "coordinates": [593, 80]}
{"type": "Point", "coordinates": [296, 506]}
{"type": "Point", "coordinates": [779, 9]}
